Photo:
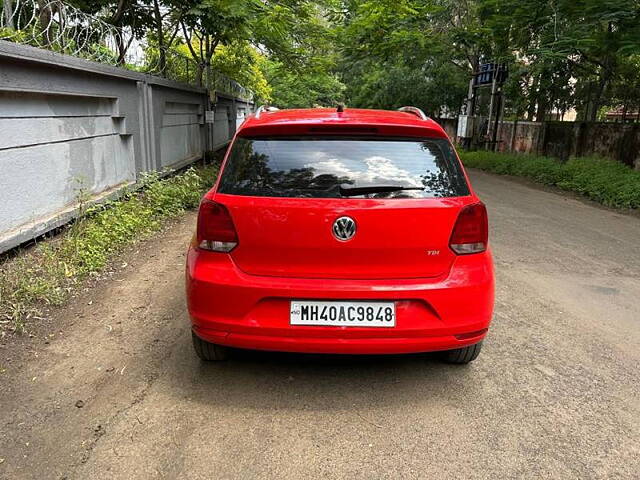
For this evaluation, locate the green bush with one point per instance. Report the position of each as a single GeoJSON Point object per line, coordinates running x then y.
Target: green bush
{"type": "Point", "coordinates": [45, 274]}
{"type": "Point", "coordinates": [606, 181]}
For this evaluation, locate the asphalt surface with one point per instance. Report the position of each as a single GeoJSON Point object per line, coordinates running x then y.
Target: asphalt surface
{"type": "Point", "coordinates": [115, 391]}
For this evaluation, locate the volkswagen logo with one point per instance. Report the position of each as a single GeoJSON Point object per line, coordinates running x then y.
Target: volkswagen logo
{"type": "Point", "coordinates": [344, 228]}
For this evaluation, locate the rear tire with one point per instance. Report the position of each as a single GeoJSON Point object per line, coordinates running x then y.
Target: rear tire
{"type": "Point", "coordinates": [462, 356]}
{"type": "Point", "coordinates": [209, 352]}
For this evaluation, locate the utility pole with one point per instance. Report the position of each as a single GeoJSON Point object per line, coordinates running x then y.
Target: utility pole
{"type": "Point", "coordinates": [494, 88]}
{"type": "Point", "coordinates": [465, 122]}
{"type": "Point", "coordinates": [499, 75]}
{"type": "Point", "coordinates": [469, 126]}
{"type": "Point", "coordinates": [496, 123]}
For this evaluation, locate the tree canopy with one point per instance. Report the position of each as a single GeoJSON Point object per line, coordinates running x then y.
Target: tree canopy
{"type": "Point", "coordinates": [561, 54]}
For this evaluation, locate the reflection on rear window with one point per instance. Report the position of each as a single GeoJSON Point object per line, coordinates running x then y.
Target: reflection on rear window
{"type": "Point", "coordinates": [317, 167]}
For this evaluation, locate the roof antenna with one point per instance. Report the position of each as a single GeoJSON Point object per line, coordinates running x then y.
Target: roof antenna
{"type": "Point", "coordinates": [340, 108]}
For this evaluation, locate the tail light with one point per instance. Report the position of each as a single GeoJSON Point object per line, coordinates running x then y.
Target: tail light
{"type": "Point", "coordinates": [216, 231]}
{"type": "Point", "coordinates": [471, 231]}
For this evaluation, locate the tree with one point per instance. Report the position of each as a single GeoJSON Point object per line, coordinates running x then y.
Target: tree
{"type": "Point", "coordinates": [564, 53]}
{"type": "Point", "coordinates": [132, 18]}
{"type": "Point", "coordinates": [283, 29]}
{"type": "Point", "coordinates": [408, 52]}
{"type": "Point", "coordinates": [304, 89]}
{"type": "Point", "coordinates": [242, 62]}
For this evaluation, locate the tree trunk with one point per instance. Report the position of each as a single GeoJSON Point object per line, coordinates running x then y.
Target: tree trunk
{"type": "Point", "coordinates": [597, 100]}
{"type": "Point", "coordinates": [199, 74]}
{"type": "Point", "coordinates": [162, 61]}
{"type": "Point", "coordinates": [7, 8]}
{"type": "Point", "coordinates": [116, 20]}
{"type": "Point", "coordinates": [543, 107]}
{"type": "Point", "coordinates": [44, 19]}
{"type": "Point", "coordinates": [198, 59]}
{"type": "Point", "coordinates": [120, 9]}
{"type": "Point", "coordinates": [606, 73]}
{"type": "Point", "coordinates": [122, 48]}
{"type": "Point", "coordinates": [533, 97]}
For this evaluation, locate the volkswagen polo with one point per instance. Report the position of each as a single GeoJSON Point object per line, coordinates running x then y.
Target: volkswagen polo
{"type": "Point", "coordinates": [341, 231]}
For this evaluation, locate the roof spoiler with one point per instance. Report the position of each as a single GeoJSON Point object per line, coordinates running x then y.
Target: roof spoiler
{"type": "Point", "coordinates": [415, 111]}
{"type": "Point", "coordinates": [265, 108]}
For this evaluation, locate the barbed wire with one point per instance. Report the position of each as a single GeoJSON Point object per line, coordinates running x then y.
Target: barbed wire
{"type": "Point", "coordinates": [56, 26]}
{"type": "Point", "coordinates": [63, 28]}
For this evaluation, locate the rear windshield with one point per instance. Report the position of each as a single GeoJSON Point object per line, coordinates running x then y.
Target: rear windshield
{"type": "Point", "coordinates": [326, 167]}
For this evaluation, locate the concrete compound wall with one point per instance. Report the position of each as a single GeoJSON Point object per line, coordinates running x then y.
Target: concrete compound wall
{"type": "Point", "coordinates": [562, 140]}
{"type": "Point", "coordinates": [68, 125]}
{"type": "Point", "coordinates": [525, 138]}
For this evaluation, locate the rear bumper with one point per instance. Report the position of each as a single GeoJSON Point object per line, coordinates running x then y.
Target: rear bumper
{"type": "Point", "coordinates": [361, 346]}
{"type": "Point", "coordinates": [230, 307]}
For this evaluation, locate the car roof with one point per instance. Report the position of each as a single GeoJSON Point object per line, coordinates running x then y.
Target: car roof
{"type": "Point", "coordinates": [355, 121]}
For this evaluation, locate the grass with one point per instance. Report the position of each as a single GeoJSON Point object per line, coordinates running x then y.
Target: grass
{"type": "Point", "coordinates": [607, 182]}
{"type": "Point", "coordinates": [47, 273]}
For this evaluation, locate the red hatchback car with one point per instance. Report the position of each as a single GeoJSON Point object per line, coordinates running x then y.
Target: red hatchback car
{"type": "Point", "coordinates": [341, 231]}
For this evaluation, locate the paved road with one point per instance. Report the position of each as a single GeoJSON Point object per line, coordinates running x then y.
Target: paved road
{"type": "Point", "coordinates": [555, 393]}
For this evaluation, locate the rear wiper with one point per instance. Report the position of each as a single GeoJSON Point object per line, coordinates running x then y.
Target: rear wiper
{"type": "Point", "coordinates": [349, 191]}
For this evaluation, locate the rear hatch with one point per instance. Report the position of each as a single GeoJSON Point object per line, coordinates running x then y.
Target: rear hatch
{"type": "Point", "coordinates": [285, 196]}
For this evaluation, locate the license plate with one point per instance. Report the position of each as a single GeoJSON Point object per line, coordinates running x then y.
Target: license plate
{"type": "Point", "coordinates": [343, 314]}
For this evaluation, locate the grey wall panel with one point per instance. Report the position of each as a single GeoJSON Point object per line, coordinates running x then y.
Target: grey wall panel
{"type": "Point", "coordinates": [178, 123]}
{"type": "Point", "coordinates": [21, 104]}
{"type": "Point", "coordinates": [18, 132]}
{"type": "Point", "coordinates": [38, 181]}
{"type": "Point", "coordinates": [221, 125]}
{"type": "Point", "coordinates": [67, 124]}
{"type": "Point", "coordinates": [180, 143]}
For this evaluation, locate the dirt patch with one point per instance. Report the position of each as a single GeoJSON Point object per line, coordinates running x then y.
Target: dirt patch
{"type": "Point", "coordinates": [85, 363]}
